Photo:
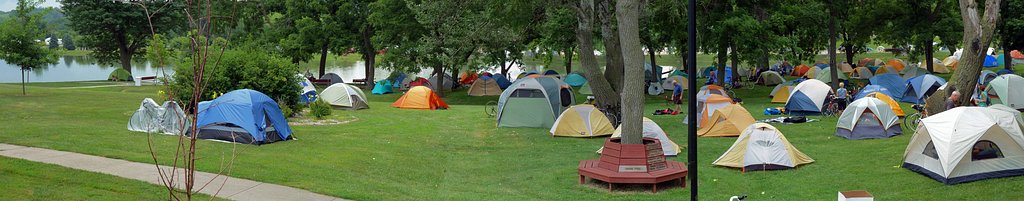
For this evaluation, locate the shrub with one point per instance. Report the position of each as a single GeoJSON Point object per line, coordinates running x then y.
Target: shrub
{"type": "Point", "coordinates": [285, 109]}
{"type": "Point", "coordinates": [244, 68]}
{"type": "Point", "coordinates": [319, 109]}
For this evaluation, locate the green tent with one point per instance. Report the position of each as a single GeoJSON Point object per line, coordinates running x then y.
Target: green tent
{"type": "Point", "coordinates": [534, 102]}
{"type": "Point", "coordinates": [825, 75]}
{"type": "Point", "coordinates": [585, 89]}
{"type": "Point", "coordinates": [679, 73]}
{"type": "Point", "coordinates": [120, 75]}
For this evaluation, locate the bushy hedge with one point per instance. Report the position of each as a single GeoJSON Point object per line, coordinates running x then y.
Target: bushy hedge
{"type": "Point", "coordinates": [243, 68]}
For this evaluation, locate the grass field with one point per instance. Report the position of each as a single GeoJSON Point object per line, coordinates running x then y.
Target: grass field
{"type": "Point", "coordinates": [458, 154]}
{"type": "Point", "coordinates": [26, 180]}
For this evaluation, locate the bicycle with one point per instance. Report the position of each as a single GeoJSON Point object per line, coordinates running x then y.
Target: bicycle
{"type": "Point", "coordinates": [612, 113]}
{"type": "Point", "coordinates": [832, 107]}
{"type": "Point", "coordinates": [491, 108]}
{"type": "Point", "coordinates": [910, 122]}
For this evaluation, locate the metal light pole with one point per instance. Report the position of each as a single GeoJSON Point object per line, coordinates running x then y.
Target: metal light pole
{"type": "Point", "coordinates": [691, 70]}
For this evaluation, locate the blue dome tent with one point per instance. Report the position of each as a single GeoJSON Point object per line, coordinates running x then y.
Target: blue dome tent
{"type": "Point", "coordinates": [382, 87]}
{"type": "Point", "coordinates": [990, 61]}
{"type": "Point", "coordinates": [575, 79]}
{"type": "Point", "coordinates": [871, 89]}
{"type": "Point", "coordinates": [242, 116]}
{"type": "Point", "coordinates": [502, 81]}
{"type": "Point", "coordinates": [920, 87]}
{"type": "Point", "coordinates": [893, 82]}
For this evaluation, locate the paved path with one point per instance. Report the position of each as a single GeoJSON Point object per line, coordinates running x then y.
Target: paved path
{"type": "Point", "coordinates": [233, 188]}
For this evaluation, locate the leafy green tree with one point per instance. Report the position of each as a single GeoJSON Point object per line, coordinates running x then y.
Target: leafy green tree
{"type": "Point", "coordinates": [604, 92]}
{"type": "Point", "coordinates": [17, 40]}
{"type": "Point", "coordinates": [317, 25]}
{"type": "Point", "coordinates": [1011, 29]}
{"type": "Point", "coordinates": [918, 23]}
{"type": "Point", "coordinates": [557, 32]}
{"type": "Point", "coordinates": [52, 42]}
{"type": "Point", "coordinates": [117, 31]}
{"type": "Point", "coordinates": [69, 43]}
{"type": "Point", "coordinates": [358, 33]}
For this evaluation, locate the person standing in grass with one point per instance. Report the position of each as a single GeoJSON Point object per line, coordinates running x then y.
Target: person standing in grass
{"type": "Point", "coordinates": [841, 94]}
{"type": "Point", "coordinates": [677, 96]}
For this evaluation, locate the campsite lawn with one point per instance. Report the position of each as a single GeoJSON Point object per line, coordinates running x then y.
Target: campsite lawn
{"type": "Point", "coordinates": [458, 154]}
{"type": "Point", "coordinates": [26, 180]}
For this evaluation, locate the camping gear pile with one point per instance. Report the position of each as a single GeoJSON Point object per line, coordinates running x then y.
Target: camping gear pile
{"type": "Point", "coordinates": [168, 118]}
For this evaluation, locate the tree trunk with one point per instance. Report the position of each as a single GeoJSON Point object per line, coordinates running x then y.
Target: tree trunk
{"type": "Point", "coordinates": [439, 72]}
{"type": "Point", "coordinates": [23, 82]}
{"type": "Point", "coordinates": [568, 60]}
{"type": "Point", "coordinates": [613, 51]}
{"type": "Point", "coordinates": [370, 55]}
{"type": "Point", "coordinates": [1007, 60]}
{"type": "Point", "coordinates": [849, 53]}
{"type": "Point", "coordinates": [124, 51]}
{"type": "Point", "coordinates": [832, 45]}
{"type": "Point", "coordinates": [323, 59]}
{"type": "Point", "coordinates": [603, 92]}
{"type": "Point", "coordinates": [723, 52]}
{"type": "Point", "coordinates": [978, 31]}
{"type": "Point", "coordinates": [735, 65]}
{"type": "Point", "coordinates": [627, 12]}
{"type": "Point", "coordinates": [651, 53]}
{"type": "Point", "coordinates": [929, 54]}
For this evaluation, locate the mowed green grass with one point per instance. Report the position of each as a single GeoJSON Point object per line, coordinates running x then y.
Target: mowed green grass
{"type": "Point", "coordinates": [459, 154]}
{"type": "Point", "coordinates": [26, 180]}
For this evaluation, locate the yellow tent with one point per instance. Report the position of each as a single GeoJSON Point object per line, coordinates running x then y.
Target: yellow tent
{"type": "Point", "coordinates": [768, 150]}
{"type": "Point", "coordinates": [896, 63]}
{"type": "Point", "coordinates": [652, 130]}
{"type": "Point", "coordinates": [727, 122]}
{"type": "Point", "coordinates": [887, 69]}
{"type": "Point", "coordinates": [845, 67]}
{"type": "Point", "coordinates": [582, 121]}
{"type": "Point", "coordinates": [484, 87]}
{"type": "Point", "coordinates": [888, 101]}
{"type": "Point", "coordinates": [951, 62]}
{"type": "Point", "coordinates": [811, 73]}
{"type": "Point", "coordinates": [781, 94]}
{"type": "Point", "coordinates": [936, 66]}
{"type": "Point", "coordinates": [420, 97]}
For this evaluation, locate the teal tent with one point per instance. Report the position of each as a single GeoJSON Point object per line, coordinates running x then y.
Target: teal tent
{"type": "Point", "coordinates": [382, 87]}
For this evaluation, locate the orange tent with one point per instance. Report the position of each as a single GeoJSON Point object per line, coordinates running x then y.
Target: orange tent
{"type": "Point", "coordinates": [800, 70]}
{"type": "Point", "coordinates": [420, 97]}
{"type": "Point", "coordinates": [1016, 55]}
{"type": "Point", "coordinates": [864, 62]}
{"type": "Point", "coordinates": [467, 77]}
{"type": "Point", "coordinates": [896, 63]}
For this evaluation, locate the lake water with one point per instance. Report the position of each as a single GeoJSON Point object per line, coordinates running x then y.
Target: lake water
{"type": "Point", "coordinates": [85, 68]}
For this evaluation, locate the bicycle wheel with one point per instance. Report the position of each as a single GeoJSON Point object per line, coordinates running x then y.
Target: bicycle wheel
{"type": "Point", "coordinates": [911, 121]}
{"type": "Point", "coordinates": [491, 108]}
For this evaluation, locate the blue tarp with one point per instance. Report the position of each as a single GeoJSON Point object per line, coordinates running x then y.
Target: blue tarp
{"type": "Point", "coordinates": [920, 87]}
{"type": "Point", "coordinates": [247, 109]}
{"type": "Point", "coordinates": [501, 80]}
{"type": "Point", "coordinates": [893, 82]}
{"type": "Point", "coordinates": [728, 75]}
{"type": "Point", "coordinates": [382, 87]}
{"type": "Point", "coordinates": [871, 89]}
{"type": "Point", "coordinates": [990, 61]}
{"type": "Point", "coordinates": [575, 79]}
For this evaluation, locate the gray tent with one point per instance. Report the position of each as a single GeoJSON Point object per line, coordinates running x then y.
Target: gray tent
{"type": "Point", "coordinates": [769, 78]}
{"type": "Point", "coordinates": [334, 78]}
{"type": "Point", "coordinates": [449, 83]}
{"type": "Point", "coordinates": [868, 118]}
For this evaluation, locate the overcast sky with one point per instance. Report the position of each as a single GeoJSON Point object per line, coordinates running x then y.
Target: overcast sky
{"type": "Point", "coordinates": [8, 5]}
